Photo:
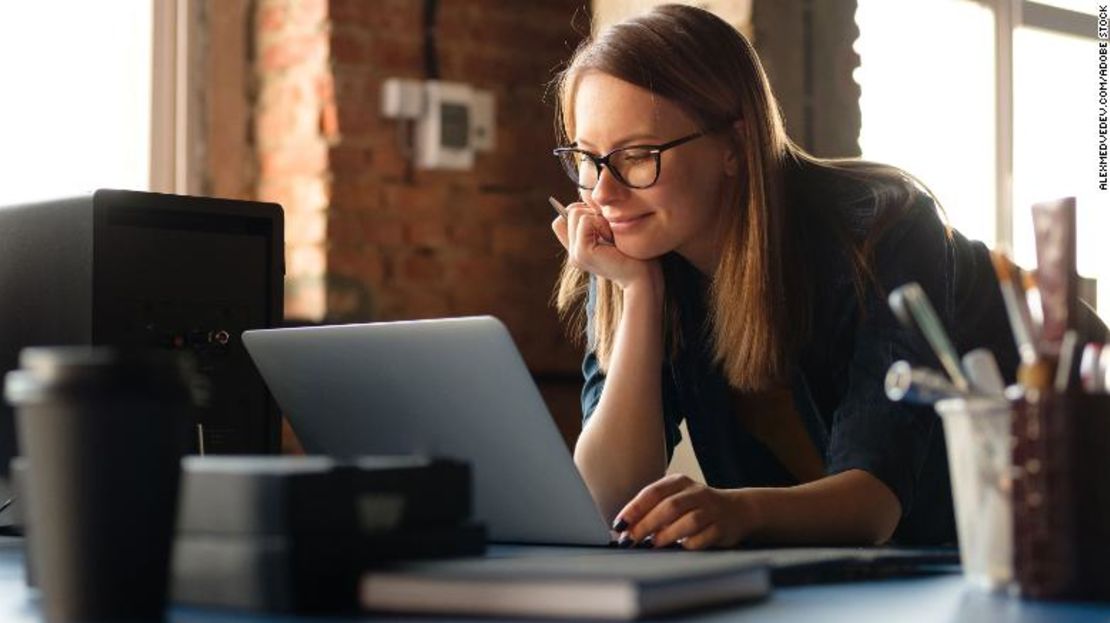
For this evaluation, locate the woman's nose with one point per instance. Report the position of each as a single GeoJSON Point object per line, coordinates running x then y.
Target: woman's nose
{"type": "Point", "coordinates": [608, 189]}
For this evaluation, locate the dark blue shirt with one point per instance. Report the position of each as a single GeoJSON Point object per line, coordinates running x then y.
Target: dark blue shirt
{"type": "Point", "coordinates": [837, 377]}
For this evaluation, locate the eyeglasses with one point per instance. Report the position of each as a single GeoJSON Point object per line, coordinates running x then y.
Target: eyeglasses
{"type": "Point", "coordinates": [635, 166]}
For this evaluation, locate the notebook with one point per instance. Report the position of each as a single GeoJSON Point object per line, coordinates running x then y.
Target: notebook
{"type": "Point", "coordinates": [618, 586]}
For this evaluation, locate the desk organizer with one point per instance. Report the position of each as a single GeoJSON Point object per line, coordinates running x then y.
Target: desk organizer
{"type": "Point", "coordinates": [1061, 459]}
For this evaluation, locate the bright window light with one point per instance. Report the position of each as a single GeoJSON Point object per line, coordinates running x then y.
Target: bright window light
{"type": "Point", "coordinates": [929, 108]}
{"type": "Point", "coordinates": [1054, 146]}
{"type": "Point", "coordinates": [75, 115]}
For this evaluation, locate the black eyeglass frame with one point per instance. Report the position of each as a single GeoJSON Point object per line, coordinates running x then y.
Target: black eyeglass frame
{"type": "Point", "coordinates": [599, 161]}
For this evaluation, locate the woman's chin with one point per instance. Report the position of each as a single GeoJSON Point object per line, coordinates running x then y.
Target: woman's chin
{"type": "Point", "coordinates": [639, 249]}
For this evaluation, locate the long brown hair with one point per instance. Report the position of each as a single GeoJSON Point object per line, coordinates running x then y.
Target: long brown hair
{"type": "Point", "coordinates": [759, 301]}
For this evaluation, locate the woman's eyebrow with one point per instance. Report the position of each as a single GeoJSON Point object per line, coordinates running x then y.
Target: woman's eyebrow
{"type": "Point", "coordinates": [627, 140]}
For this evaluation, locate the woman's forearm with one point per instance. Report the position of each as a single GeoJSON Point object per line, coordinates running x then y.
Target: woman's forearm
{"type": "Point", "coordinates": [849, 508]}
{"type": "Point", "coordinates": [622, 447]}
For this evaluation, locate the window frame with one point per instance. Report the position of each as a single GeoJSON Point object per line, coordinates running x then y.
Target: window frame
{"type": "Point", "coordinates": [1009, 15]}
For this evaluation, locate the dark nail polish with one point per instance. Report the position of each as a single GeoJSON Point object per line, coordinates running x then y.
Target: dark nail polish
{"type": "Point", "coordinates": [625, 542]}
{"type": "Point", "coordinates": [620, 525]}
{"type": "Point", "coordinates": [647, 543]}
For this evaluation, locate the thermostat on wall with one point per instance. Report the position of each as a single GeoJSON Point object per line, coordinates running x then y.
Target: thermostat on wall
{"type": "Point", "coordinates": [443, 131]}
{"type": "Point", "coordinates": [453, 120]}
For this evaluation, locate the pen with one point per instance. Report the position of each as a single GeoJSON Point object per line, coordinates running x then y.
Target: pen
{"type": "Point", "coordinates": [910, 300]}
{"type": "Point", "coordinates": [561, 210]}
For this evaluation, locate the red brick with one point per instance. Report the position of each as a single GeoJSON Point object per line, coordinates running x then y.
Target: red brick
{"type": "Point", "coordinates": [464, 271]}
{"type": "Point", "coordinates": [397, 56]}
{"type": "Point", "coordinates": [423, 268]}
{"type": "Point", "coordinates": [310, 12]}
{"type": "Point", "coordinates": [477, 297]}
{"type": "Point", "coordinates": [306, 158]}
{"type": "Point", "coordinates": [426, 233]}
{"type": "Point", "coordinates": [379, 15]}
{"type": "Point", "coordinates": [351, 46]}
{"type": "Point", "coordinates": [271, 17]}
{"type": "Point", "coordinates": [523, 241]}
{"type": "Point", "coordinates": [424, 303]}
{"type": "Point", "coordinates": [293, 50]}
{"type": "Point", "coordinates": [305, 298]}
{"type": "Point", "coordinates": [329, 122]}
{"type": "Point", "coordinates": [364, 263]}
{"type": "Point", "coordinates": [360, 196]}
{"type": "Point", "coordinates": [469, 235]}
{"type": "Point", "coordinates": [383, 232]}
{"type": "Point", "coordinates": [413, 201]}
{"type": "Point", "coordinates": [497, 207]}
{"type": "Point", "coordinates": [305, 259]}
{"type": "Point", "coordinates": [306, 226]}
{"type": "Point", "coordinates": [295, 192]}
{"type": "Point", "coordinates": [389, 164]}
{"type": "Point", "coordinates": [349, 161]}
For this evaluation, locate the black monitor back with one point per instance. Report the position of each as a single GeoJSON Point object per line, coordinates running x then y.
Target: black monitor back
{"type": "Point", "coordinates": [148, 269]}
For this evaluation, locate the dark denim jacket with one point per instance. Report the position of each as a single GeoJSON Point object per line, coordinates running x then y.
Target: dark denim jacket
{"type": "Point", "coordinates": [837, 378]}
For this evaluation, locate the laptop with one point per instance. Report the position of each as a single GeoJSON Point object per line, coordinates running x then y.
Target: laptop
{"type": "Point", "coordinates": [454, 387]}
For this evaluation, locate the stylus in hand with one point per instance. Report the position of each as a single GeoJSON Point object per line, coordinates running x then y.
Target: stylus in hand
{"type": "Point", "coordinates": [561, 210]}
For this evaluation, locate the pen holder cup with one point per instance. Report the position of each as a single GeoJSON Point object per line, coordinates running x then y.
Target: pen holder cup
{"type": "Point", "coordinates": [1061, 497]}
{"type": "Point", "coordinates": [977, 433]}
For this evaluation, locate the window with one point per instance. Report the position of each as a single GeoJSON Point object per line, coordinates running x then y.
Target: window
{"type": "Point", "coordinates": [76, 112]}
{"type": "Point", "coordinates": [991, 123]}
{"type": "Point", "coordinates": [929, 109]}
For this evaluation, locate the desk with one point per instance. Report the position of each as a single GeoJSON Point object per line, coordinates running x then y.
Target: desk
{"type": "Point", "coordinates": [941, 598]}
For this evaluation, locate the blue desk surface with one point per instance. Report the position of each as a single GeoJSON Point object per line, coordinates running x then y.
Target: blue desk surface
{"type": "Point", "coordinates": [942, 598]}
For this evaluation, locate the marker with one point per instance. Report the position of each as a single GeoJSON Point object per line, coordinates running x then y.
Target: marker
{"type": "Point", "coordinates": [982, 370]}
{"type": "Point", "coordinates": [918, 385]}
{"type": "Point", "coordinates": [910, 300]}
{"type": "Point", "coordinates": [561, 210]}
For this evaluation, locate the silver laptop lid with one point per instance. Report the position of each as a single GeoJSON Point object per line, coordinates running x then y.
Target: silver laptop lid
{"type": "Point", "coordinates": [454, 387]}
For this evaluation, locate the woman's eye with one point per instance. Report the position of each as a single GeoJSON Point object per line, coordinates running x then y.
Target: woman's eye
{"type": "Point", "coordinates": [636, 156]}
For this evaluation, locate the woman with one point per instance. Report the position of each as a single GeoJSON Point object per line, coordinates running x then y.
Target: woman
{"type": "Point", "coordinates": [744, 291]}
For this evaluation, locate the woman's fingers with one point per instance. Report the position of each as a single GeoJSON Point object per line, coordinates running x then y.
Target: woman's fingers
{"type": "Point", "coordinates": [584, 237]}
{"type": "Point", "coordinates": [664, 514]}
{"type": "Point", "coordinates": [559, 226]}
{"type": "Point", "coordinates": [709, 536]}
{"type": "Point", "coordinates": [649, 497]}
{"type": "Point", "coordinates": [694, 522]}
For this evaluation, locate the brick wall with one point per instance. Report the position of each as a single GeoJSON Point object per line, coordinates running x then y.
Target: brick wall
{"type": "Point", "coordinates": [368, 237]}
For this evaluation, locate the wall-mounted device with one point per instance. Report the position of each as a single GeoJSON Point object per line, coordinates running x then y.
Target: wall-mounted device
{"type": "Point", "coordinates": [146, 269]}
{"type": "Point", "coordinates": [452, 120]}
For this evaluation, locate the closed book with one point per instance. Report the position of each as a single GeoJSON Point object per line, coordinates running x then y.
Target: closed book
{"type": "Point", "coordinates": [627, 585]}
{"type": "Point", "coordinates": [317, 495]}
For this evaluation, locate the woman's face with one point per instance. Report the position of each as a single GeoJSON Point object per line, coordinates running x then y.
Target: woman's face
{"type": "Point", "coordinates": [680, 211]}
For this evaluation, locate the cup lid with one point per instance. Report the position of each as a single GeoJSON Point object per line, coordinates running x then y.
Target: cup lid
{"type": "Point", "coordinates": [69, 371]}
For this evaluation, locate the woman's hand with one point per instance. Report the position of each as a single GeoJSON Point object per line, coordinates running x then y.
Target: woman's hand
{"type": "Point", "coordinates": [676, 509]}
{"type": "Point", "coordinates": [586, 236]}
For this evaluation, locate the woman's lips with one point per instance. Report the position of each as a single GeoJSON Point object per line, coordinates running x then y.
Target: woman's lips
{"type": "Point", "coordinates": [627, 224]}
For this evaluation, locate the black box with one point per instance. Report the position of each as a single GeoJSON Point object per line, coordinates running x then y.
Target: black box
{"type": "Point", "coordinates": [147, 269]}
{"type": "Point", "coordinates": [294, 534]}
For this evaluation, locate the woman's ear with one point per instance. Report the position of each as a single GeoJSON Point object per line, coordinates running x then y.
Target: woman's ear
{"type": "Point", "coordinates": [734, 157]}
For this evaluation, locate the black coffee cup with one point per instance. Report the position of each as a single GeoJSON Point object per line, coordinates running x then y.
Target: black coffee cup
{"type": "Point", "coordinates": [103, 432]}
